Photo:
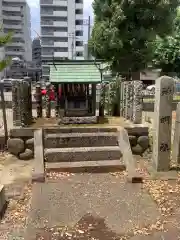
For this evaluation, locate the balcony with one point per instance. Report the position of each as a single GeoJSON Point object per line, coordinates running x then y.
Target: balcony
{"type": "Point", "coordinates": [60, 34]}
{"type": "Point", "coordinates": [79, 48]}
{"type": "Point", "coordinates": [15, 44]}
{"type": "Point", "coordinates": [53, 2]}
{"type": "Point", "coordinates": [16, 18]}
{"type": "Point", "coordinates": [79, 27]}
{"type": "Point", "coordinates": [46, 23]}
{"type": "Point", "coordinates": [12, 27]}
{"type": "Point", "coordinates": [18, 35]}
{"type": "Point", "coordinates": [60, 24]}
{"type": "Point", "coordinates": [47, 55]}
{"type": "Point", "coordinates": [46, 2]}
{"type": "Point", "coordinates": [11, 9]}
{"type": "Point", "coordinates": [14, 53]}
{"type": "Point", "coordinates": [49, 34]}
{"type": "Point", "coordinates": [61, 54]}
{"type": "Point", "coordinates": [61, 44]}
{"type": "Point", "coordinates": [60, 13]}
{"type": "Point", "coordinates": [79, 16]}
{"type": "Point", "coordinates": [47, 43]}
{"type": "Point", "coordinates": [79, 5]}
{"type": "Point", "coordinates": [46, 13]}
{"type": "Point", "coordinates": [10, 1]}
{"type": "Point", "coordinates": [60, 3]}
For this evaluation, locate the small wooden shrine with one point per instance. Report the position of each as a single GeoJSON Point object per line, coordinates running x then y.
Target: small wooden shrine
{"type": "Point", "coordinates": [75, 86]}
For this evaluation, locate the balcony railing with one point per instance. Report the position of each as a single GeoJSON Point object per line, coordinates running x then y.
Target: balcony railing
{"type": "Point", "coordinates": [47, 44]}
{"type": "Point", "coordinates": [9, 26]}
{"type": "Point", "coordinates": [47, 23]}
{"type": "Point", "coordinates": [46, 2]}
{"type": "Point", "coordinates": [47, 33]}
{"type": "Point", "coordinates": [12, 18]}
{"type": "Point", "coordinates": [11, 9]}
{"type": "Point", "coordinates": [45, 13]}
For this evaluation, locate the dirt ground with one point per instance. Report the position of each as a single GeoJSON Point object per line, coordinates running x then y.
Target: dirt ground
{"type": "Point", "coordinates": [16, 175]}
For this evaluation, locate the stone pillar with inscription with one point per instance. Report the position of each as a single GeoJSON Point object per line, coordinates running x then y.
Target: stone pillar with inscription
{"type": "Point", "coordinates": [15, 103]}
{"type": "Point", "coordinates": [162, 123]}
{"type": "Point", "coordinates": [129, 100]}
{"type": "Point", "coordinates": [130, 104]}
{"type": "Point", "coordinates": [176, 140]}
{"type": "Point", "coordinates": [24, 103]}
{"type": "Point", "coordinates": [137, 102]}
{"type": "Point", "coordinates": [126, 99]}
{"type": "Point", "coordinates": [121, 99]}
{"type": "Point", "coordinates": [29, 100]}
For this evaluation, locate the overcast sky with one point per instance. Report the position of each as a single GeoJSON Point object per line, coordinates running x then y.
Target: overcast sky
{"type": "Point", "coordinates": [35, 15]}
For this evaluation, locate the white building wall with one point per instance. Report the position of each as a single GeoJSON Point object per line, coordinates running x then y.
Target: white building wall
{"type": "Point", "coordinates": [71, 29]}
{"type": "Point", "coordinates": [60, 31]}
{"type": "Point", "coordinates": [16, 18]}
{"type": "Point", "coordinates": [27, 33]}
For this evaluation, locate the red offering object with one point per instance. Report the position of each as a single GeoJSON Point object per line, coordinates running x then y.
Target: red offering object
{"type": "Point", "coordinates": [43, 91]}
{"type": "Point", "coordinates": [52, 95]}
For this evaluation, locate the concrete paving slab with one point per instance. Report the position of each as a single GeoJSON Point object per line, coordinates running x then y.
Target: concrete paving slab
{"type": "Point", "coordinates": [63, 203]}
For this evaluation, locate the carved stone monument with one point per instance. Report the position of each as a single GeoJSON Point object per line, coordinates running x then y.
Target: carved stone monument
{"type": "Point", "coordinates": [16, 102]}
{"type": "Point", "coordinates": [122, 99]}
{"type": "Point", "coordinates": [162, 123]}
{"type": "Point", "coordinates": [137, 102]}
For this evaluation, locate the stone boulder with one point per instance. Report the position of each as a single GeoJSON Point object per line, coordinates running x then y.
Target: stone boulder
{"type": "Point", "coordinates": [132, 140]}
{"type": "Point", "coordinates": [143, 141]}
{"type": "Point", "coordinates": [137, 150]}
{"type": "Point", "coordinates": [27, 155]}
{"type": "Point", "coordinates": [30, 144]}
{"type": "Point", "coordinates": [15, 146]}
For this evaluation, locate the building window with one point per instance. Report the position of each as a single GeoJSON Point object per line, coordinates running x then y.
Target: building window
{"type": "Point", "coordinates": [79, 33]}
{"type": "Point", "coordinates": [79, 22]}
{"type": "Point", "coordinates": [79, 11]}
{"type": "Point", "coordinates": [79, 43]}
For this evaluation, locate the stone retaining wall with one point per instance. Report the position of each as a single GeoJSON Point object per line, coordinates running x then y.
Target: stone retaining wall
{"type": "Point", "coordinates": [21, 141]}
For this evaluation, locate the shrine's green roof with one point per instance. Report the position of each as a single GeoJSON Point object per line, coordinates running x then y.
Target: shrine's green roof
{"type": "Point", "coordinates": [75, 72]}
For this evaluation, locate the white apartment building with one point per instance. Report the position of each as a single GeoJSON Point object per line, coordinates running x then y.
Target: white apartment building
{"type": "Point", "coordinates": [15, 16]}
{"type": "Point", "coordinates": [61, 30]}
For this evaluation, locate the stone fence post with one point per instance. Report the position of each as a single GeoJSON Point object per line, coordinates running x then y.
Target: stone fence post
{"type": "Point", "coordinates": [137, 102]}
{"type": "Point", "coordinates": [38, 101]}
{"type": "Point", "coordinates": [162, 123]}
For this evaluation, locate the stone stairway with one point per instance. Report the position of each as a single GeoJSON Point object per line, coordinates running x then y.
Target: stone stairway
{"type": "Point", "coordinates": [82, 149]}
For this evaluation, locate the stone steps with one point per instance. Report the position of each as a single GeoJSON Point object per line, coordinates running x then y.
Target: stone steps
{"type": "Point", "coordinates": [67, 140]}
{"type": "Point", "coordinates": [87, 166]}
{"type": "Point", "coordinates": [82, 154]}
{"type": "Point", "coordinates": [79, 130]}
